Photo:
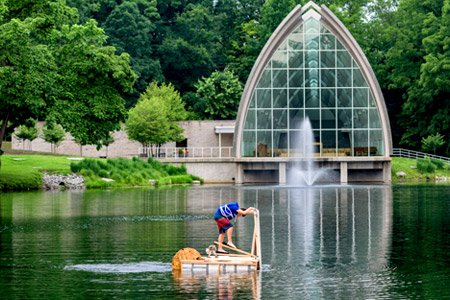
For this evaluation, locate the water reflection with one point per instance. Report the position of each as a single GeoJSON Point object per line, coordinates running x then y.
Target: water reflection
{"type": "Point", "coordinates": [218, 286]}
{"type": "Point", "coordinates": [319, 242]}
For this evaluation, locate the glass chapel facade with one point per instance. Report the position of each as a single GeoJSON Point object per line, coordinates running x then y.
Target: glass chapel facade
{"type": "Point", "coordinates": [312, 75]}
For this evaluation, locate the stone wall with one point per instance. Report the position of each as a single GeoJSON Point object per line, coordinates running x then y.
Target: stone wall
{"type": "Point", "coordinates": [198, 134]}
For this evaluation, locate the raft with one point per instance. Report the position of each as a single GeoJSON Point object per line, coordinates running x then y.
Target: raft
{"type": "Point", "coordinates": [190, 260]}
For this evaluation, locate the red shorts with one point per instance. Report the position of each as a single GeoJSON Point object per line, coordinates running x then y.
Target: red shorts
{"type": "Point", "coordinates": [223, 224]}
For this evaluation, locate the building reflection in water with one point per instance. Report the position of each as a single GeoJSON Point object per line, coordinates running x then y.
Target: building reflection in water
{"type": "Point", "coordinates": [317, 235]}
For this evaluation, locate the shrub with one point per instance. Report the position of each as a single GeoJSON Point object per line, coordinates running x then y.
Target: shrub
{"type": "Point", "coordinates": [425, 165]}
{"type": "Point", "coordinates": [440, 165]}
{"type": "Point", "coordinates": [103, 173]}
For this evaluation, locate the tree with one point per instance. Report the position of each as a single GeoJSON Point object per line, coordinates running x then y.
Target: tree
{"type": "Point", "coordinates": [153, 120]}
{"type": "Point", "coordinates": [147, 123]}
{"type": "Point", "coordinates": [53, 134]}
{"type": "Point", "coordinates": [220, 95]}
{"type": "Point", "coordinates": [59, 72]}
{"type": "Point", "coordinates": [108, 141]}
{"type": "Point", "coordinates": [433, 142]}
{"type": "Point", "coordinates": [131, 28]}
{"type": "Point", "coordinates": [27, 132]}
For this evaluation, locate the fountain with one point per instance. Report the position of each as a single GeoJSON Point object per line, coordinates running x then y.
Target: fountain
{"type": "Point", "coordinates": [304, 171]}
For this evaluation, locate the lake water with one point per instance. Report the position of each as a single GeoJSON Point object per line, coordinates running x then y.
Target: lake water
{"type": "Point", "coordinates": [320, 242]}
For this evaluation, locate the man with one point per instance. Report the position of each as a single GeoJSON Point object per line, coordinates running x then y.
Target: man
{"type": "Point", "coordinates": [223, 216]}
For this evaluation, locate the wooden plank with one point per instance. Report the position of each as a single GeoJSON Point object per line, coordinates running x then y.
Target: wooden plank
{"type": "Point", "coordinates": [254, 234]}
{"type": "Point", "coordinates": [235, 249]}
{"type": "Point", "coordinates": [203, 262]}
{"type": "Point", "coordinates": [234, 255]}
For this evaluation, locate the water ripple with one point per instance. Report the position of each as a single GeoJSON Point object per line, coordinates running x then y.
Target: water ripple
{"type": "Point", "coordinates": [141, 267]}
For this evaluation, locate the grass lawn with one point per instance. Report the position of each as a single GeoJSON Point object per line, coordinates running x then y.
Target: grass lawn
{"type": "Point", "coordinates": [413, 174]}
{"type": "Point", "coordinates": [24, 172]}
{"type": "Point", "coordinates": [20, 172]}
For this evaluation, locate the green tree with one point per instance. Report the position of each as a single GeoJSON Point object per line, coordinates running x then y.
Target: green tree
{"type": "Point", "coordinates": [220, 95]}
{"type": "Point", "coordinates": [59, 72]}
{"type": "Point", "coordinates": [433, 142]}
{"type": "Point", "coordinates": [53, 134]}
{"type": "Point", "coordinates": [154, 119]}
{"type": "Point", "coordinates": [131, 28]}
{"type": "Point", "coordinates": [147, 123]}
{"type": "Point", "coordinates": [27, 132]}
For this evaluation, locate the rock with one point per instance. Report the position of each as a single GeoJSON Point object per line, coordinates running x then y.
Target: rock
{"type": "Point", "coordinates": [152, 181]}
{"type": "Point", "coordinates": [107, 179]}
{"type": "Point", "coordinates": [196, 182]}
{"type": "Point", "coordinates": [413, 167]}
{"type": "Point", "coordinates": [56, 182]}
{"type": "Point", "coordinates": [401, 174]}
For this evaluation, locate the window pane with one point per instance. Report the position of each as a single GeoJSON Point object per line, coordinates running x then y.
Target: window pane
{"type": "Point", "coordinates": [371, 100]}
{"type": "Point", "coordinates": [374, 118]}
{"type": "Point", "coordinates": [280, 144]}
{"type": "Point", "coordinates": [311, 26]}
{"type": "Point", "coordinates": [253, 100]}
{"type": "Point", "coordinates": [296, 78]}
{"type": "Point", "coordinates": [344, 60]}
{"type": "Point", "coordinates": [345, 139]}
{"type": "Point", "coordinates": [279, 78]}
{"type": "Point", "coordinates": [312, 41]}
{"type": "Point", "coordinates": [361, 118]}
{"type": "Point", "coordinates": [250, 120]}
{"type": "Point", "coordinates": [376, 142]}
{"type": "Point", "coordinates": [328, 59]}
{"type": "Point", "coordinates": [295, 41]}
{"type": "Point", "coordinates": [344, 119]}
{"type": "Point", "coordinates": [279, 60]}
{"type": "Point", "coordinates": [312, 78]}
{"type": "Point", "coordinates": [264, 143]}
{"type": "Point", "coordinates": [265, 80]}
{"type": "Point", "coordinates": [324, 30]}
{"type": "Point", "coordinates": [264, 119]}
{"type": "Point", "coordinates": [328, 143]}
{"type": "Point", "coordinates": [280, 119]}
{"type": "Point", "coordinates": [360, 97]}
{"type": "Point", "coordinates": [344, 77]}
{"type": "Point", "coordinates": [296, 98]}
{"type": "Point", "coordinates": [361, 143]}
{"type": "Point", "coordinates": [314, 117]}
{"type": "Point", "coordinates": [327, 41]}
{"type": "Point", "coordinates": [296, 116]}
{"type": "Point", "coordinates": [344, 97]}
{"type": "Point", "coordinates": [312, 98]}
{"type": "Point", "coordinates": [328, 118]}
{"type": "Point", "coordinates": [311, 59]}
{"type": "Point", "coordinates": [296, 59]}
{"type": "Point", "coordinates": [358, 78]}
{"type": "Point", "coordinates": [328, 97]}
{"type": "Point", "coordinates": [279, 98]}
{"type": "Point", "coordinates": [264, 98]}
{"type": "Point", "coordinates": [328, 77]}
{"type": "Point", "coordinates": [249, 144]}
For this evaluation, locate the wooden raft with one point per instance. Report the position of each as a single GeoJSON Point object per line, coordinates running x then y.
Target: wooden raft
{"type": "Point", "coordinates": [188, 259]}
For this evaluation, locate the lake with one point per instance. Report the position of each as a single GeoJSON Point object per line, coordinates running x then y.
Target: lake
{"type": "Point", "coordinates": [319, 242]}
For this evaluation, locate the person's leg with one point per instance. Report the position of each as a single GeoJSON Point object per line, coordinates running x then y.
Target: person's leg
{"type": "Point", "coordinates": [229, 237]}
{"type": "Point", "coordinates": [221, 236]}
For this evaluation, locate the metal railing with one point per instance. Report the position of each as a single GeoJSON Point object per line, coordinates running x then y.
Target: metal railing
{"type": "Point", "coordinates": [400, 152]}
{"type": "Point", "coordinates": [187, 152]}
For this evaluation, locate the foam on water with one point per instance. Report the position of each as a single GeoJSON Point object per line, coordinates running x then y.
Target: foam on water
{"type": "Point", "coordinates": [141, 267]}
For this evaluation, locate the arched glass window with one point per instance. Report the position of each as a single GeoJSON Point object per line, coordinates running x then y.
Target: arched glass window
{"type": "Point", "coordinates": [312, 75]}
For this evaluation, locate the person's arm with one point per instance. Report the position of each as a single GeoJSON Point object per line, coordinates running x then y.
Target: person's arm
{"type": "Point", "coordinates": [250, 210]}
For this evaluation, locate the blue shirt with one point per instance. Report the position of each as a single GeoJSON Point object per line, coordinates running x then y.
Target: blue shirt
{"type": "Point", "coordinates": [228, 211]}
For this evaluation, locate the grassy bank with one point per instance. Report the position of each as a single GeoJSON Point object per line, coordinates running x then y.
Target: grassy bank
{"type": "Point", "coordinates": [417, 173]}
{"type": "Point", "coordinates": [24, 172]}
